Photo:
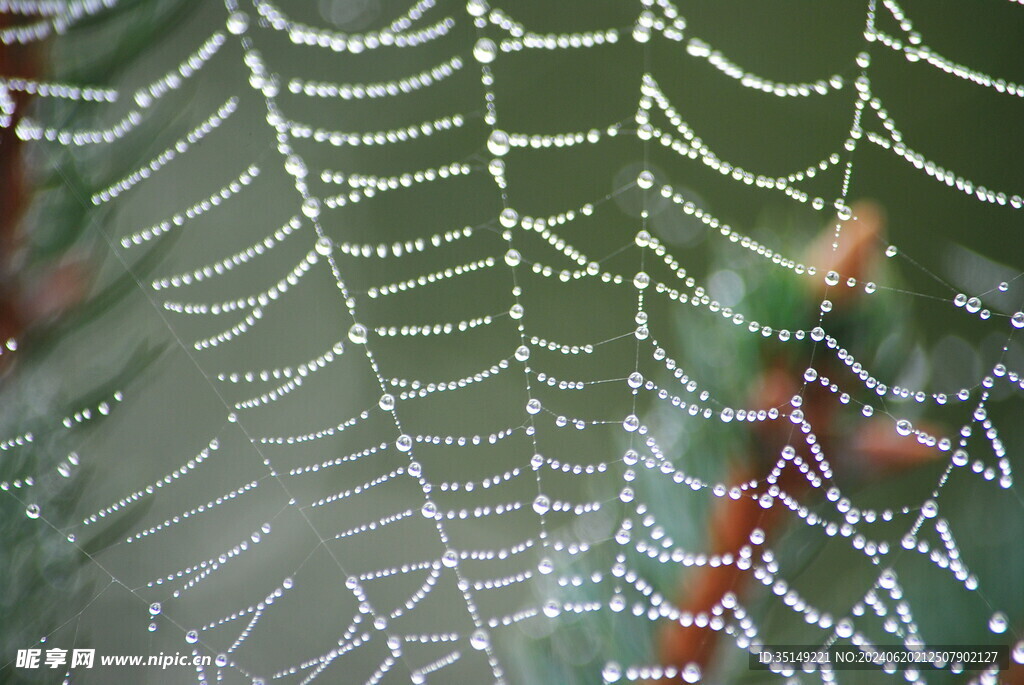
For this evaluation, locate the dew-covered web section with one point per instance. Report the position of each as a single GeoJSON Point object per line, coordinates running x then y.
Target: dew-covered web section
{"type": "Point", "coordinates": [416, 417]}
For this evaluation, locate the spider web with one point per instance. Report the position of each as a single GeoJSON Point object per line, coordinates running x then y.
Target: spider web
{"type": "Point", "coordinates": [439, 301]}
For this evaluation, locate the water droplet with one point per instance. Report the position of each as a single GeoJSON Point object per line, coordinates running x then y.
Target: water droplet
{"type": "Point", "coordinates": [155, 608]}
{"type": "Point", "coordinates": [294, 165]}
{"type": "Point", "coordinates": [645, 180]}
{"type": "Point", "coordinates": [727, 414]}
{"type": "Point", "coordinates": [485, 51]}
{"type": "Point", "coordinates": [512, 257]}
{"type": "Point", "coordinates": [631, 423]}
{"type": "Point", "coordinates": [826, 305]}
{"type": "Point", "coordinates": [237, 23]}
{"type": "Point", "coordinates": [844, 628]}
{"type": "Point", "coordinates": [522, 353]}
{"type": "Point", "coordinates": [887, 580]}
{"type": "Point", "coordinates": [429, 510]}
{"type": "Point", "coordinates": [904, 427]}
{"type": "Point", "coordinates": [403, 443]}
{"type": "Point", "coordinates": [516, 311]}
{"type": "Point", "coordinates": [691, 673]}
{"type": "Point", "coordinates": [998, 622]}
{"type": "Point", "coordinates": [221, 660]}
{"type": "Point", "coordinates": [1017, 320]}
{"type": "Point", "coordinates": [358, 333]}
{"type": "Point", "coordinates": [973, 305]}
{"type": "Point", "coordinates": [542, 504]}
{"type": "Point", "coordinates": [324, 245]}
{"type": "Point", "coordinates": [757, 536]}
{"type": "Point", "coordinates": [450, 559]}
{"type": "Point", "coordinates": [477, 8]}
{"type": "Point", "coordinates": [891, 251]}
{"type": "Point", "coordinates": [552, 608]}
{"type": "Point", "coordinates": [508, 218]}
{"type": "Point", "coordinates": [810, 375]}
{"type": "Point", "coordinates": [32, 511]}
{"type": "Point", "coordinates": [1018, 652]}
{"type": "Point", "coordinates": [415, 469]}
{"type": "Point", "coordinates": [611, 672]}
{"type": "Point", "coordinates": [479, 640]}
{"type": "Point", "coordinates": [635, 379]}
{"type": "Point", "coordinates": [192, 637]}
{"type": "Point", "coordinates": [1003, 287]}
{"type": "Point", "coordinates": [533, 406]}
{"type": "Point", "coordinates": [641, 280]}
{"type": "Point", "coordinates": [498, 143]}
{"type": "Point", "coordinates": [832, 278]}
{"type": "Point", "coordinates": [311, 207]}
{"type": "Point", "coordinates": [387, 402]}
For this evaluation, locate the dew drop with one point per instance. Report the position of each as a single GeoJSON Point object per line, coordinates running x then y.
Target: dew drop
{"type": "Point", "coordinates": [386, 402]}
{"type": "Point", "coordinates": [508, 218]}
{"type": "Point", "coordinates": [891, 251]}
{"type": "Point", "coordinates": [552, 608]}
{"type": "Point", "coordinates": [429, 510]}
{"type": "Point", "coordinates": [221, 660]}
{"type": "Point", "coordinates": [477, 8]}
{"type": "Point", "coordinates": [522, 353]}
{"type": "Point", "coordinates": [691, 673]}
{"type": "Point", "coordinates": [155, 608]}
{"type": "Point", "coordinates": [311, 207]}
{"type": "Point", "coordinates": [450, 559]}
{"type": "Point", "coordinates": [485, 51]}
{"type": "Point", "coordinates": [631, 423]}
{"type": "Point", "coordinates": [32, 511]}
{"type": "Point", "coordinates": [641, 280]}
{"type": "Point", "coordinates": [611, 672]}
{"type": "Point", "coordinates": [635, 379]}
{"type": "Point", "coordinates": [1017, 320]}
{"type": "Point", "coordinates": [645, 179]}
{"type": "Point", "coordinates": [192, 637]}
{"type": "Point", "coordinates": [324, 245]}
{"type": "Point", "coordinates": [358, 334]}
{"type": "Point", "coordinates": [542, 504]}
{"type": "Point", "coordinates": [512, 257]}
{"type": "Point", "coordinates": [516, 311]}
{"type": "Point", "coordinates": [479, 640]}
{"type": "Point", "coordinates": [998, 623]}
{"type": "Point", "coordinates": [237, 23]}
{"type": "Point", "coordinates": [403, 443]}
{"type": "Point", "coordinates": [498, 143]}
{"type": "Point", "coordinates": [832, 278]}
{"type": "Point", "coordinates": [904, 427]}
{"type": "Point", "coordinates": [533, 406]}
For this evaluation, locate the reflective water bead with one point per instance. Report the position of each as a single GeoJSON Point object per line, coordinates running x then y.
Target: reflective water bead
{"type": "Point", "coordinates": [635, 379]}
{"type": "Point", "coordinates": [533, 406]}
{"type": "Point", "coordinates": [479, 640]}
{"type": "Point", "coordinates": [508, 218]}
{"type": "Point", "coordinates": [998, 623]}
{"type": "Point", "coordinates": [498, 143]}
{"type": "Point", "coordinates": [449, 559]}
{"type": "Point", "coordinates": [221, 660]}
{"type": "Point", "coordinates": [516, 311]}
{"type": "Point", "coordinates": [155, 608]}
{"type": "Point", "coordinates": [542, 504]}
{"type": "Point", "coordinates": [612, 672]}
{"type": "Point", "coordinates": [691, 673]}
{"type": "Point", "coordinates": [891, 251]}
{"type": "Point", "coordinates": [386, 402]}
{"type": "Point", "coordinates": [522, 353]}
{"type": "Point", "coordinates": [645, 179]}
{"type": "Point", "coordinates": [324, 245]}
{"type": "Point", "coordinates": [631, 423]}
{"type": "Point", "coordinates": [192, 637]}
{"type": "Point", "coordinates": [832, 278]}
{"type": "Point", "coordinates": [358, 334]}
{"type": "Point", "coordinates": [973, 305]}
{"type": "Point", "coordinates": [403, 443]}
{"type": "Point", "coordinates": [32, 511]}
{"type": "Point", "coordinates": [641, 280]}
{"type": "Point", "coordinates": [512, 257]}
{"type": "Point", "coordinates": [311, 207]}
{"type": "Point", "coordinates": [904, 427]}
{"type": "Point", "coordinates": [477, 8]}
{"type": "Point", "coordinates": [485, 51]}
{"type": "Point", "coordinates": [1017, 320]}
{"type": "Point", "coordinates": [237, 23]}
